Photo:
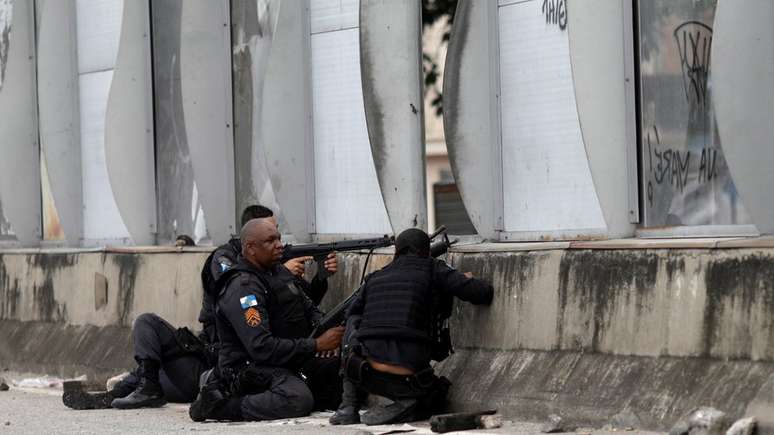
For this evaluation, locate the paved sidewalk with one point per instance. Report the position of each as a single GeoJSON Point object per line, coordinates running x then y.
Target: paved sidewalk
{"type": "Point", "coordinates": [25, 411]}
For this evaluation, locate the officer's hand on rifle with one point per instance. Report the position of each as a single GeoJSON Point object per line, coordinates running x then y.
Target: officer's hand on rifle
{"type": "Point", "coordinates": [331, 263]}
{"type": "Point", "coordinates": [330, 339]}
{"type": "Point", "coordinates": [468, 274]}
{"type": "Point", "coordinates": [296, 265]}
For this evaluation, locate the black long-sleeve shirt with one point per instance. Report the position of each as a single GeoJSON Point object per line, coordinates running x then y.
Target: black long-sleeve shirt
{"type": "Point", "coordinates": [265, 317]}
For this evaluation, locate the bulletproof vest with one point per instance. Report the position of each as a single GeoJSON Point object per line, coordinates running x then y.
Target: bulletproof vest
{"type": "Point", "coordinates": [399, 300]}
{"type": "Point", "coordinates": [284, 298]}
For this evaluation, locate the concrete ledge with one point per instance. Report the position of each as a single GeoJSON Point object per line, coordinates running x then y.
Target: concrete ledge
{"type": "Point", "coordinates": [65, 350]}
{"type": "Point", "coordinates": [591, 388]}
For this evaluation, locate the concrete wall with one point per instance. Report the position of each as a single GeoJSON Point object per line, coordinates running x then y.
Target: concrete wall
{"type": "Point", "coordinates": [585, 330]}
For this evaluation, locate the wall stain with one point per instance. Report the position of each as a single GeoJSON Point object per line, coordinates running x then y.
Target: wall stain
{"type": "Point", "coordinates": [736, 287]}
{"type": "Point", "coordinates": [128, 265]}
{"type": "Point", "coordinates": [590, 283]}
{"type": "Point", "coordinates": [46, 305]}
{"type": "Point", "coordinates": [10, 293]}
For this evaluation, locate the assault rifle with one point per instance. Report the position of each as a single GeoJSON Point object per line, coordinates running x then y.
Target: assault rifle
{"type": "Point", "coordinates": [320, 251]}
{"type": "Point", "coordinates": [338, 315]}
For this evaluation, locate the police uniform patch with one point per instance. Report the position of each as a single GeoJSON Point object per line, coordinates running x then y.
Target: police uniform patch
{"type": "Point", "coordinates": [248, 301]}
{"type": "Point", "coordinates": [252, 317]}
{"type": "Point", "coordinates": [225, 263]}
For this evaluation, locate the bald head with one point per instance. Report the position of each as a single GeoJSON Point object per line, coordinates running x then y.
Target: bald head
{"type": "Point", "coordinates": [261, 242]}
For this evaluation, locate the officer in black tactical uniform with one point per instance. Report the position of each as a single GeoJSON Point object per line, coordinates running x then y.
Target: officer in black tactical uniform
{"type": "Point", "coordinates": [396, 327]}
{"type": "Point", "coordinates": [263, 321]}
{"type": "Point", "coordinates": [171, 360]}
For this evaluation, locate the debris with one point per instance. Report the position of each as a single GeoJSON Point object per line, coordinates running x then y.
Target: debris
{"type": "Point", "coordinates": [491, 421]}
{"type": "Point", "coordinates": [556, 424]}
{"type": "Point", "coordinates": [745, 426]}
{"type": "Point", "coordinates": [702, 421]}
{"type": "Point", "coordinates": [114, 380]}
{"type": "Point", "coordinates": [3, 385]}
{"type": "Point", "coordinates": [624, 420]}
{"type": "Point", "coordinates": [460, 421]}
{"type": "Point", "coordinates": [363, 432]}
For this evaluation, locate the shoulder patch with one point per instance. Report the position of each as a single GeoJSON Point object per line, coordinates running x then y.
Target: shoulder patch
{"type": "Point", "coordinates": [252, 317]}
{"type": "Point", "coordinates": [248, 301]}
{"type": "Point", "coordinates": [225, 263]}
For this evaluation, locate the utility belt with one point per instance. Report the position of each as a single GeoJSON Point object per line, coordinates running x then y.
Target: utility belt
{"type": "Point", "coordinates": [420, 384]}
{"type": "Point", "coordinates": [246, 379]}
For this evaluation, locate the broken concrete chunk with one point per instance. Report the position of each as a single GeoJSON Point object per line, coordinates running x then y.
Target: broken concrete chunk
{"type": "Point", "coordinates": [3, 385]}
{"type": "Point", "coordinates": [745, 426]}
{"type": "Point", "coordinates": [702, 421]}
{"type": "Point", "coordinates": [626, 419]}
{"type": "Point", "coordinates": [490, 421]}
{"type": "Point", "coordinates": [556, 424]}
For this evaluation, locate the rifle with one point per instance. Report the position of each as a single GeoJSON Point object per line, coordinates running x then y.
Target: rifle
{"type": "Point", "coordinates": [320, 251]}
{"type": "Point", "coordinates": [338, 315]}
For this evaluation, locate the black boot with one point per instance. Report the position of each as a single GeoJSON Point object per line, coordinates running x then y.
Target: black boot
{"type": "Point", "coordinates": [148, 393]}
{"type": "Point", "coordinates": [399, 411]}
{"type": "Point", "coordinates": [75, 398]}
{"type": "Point", "coordinates": [348, 412]}
{"type": "Point", "coordinates": [211, 404]}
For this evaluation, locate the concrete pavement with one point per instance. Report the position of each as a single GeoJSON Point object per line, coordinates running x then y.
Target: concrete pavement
{"type": "Point", "coordinates": [25, 411]}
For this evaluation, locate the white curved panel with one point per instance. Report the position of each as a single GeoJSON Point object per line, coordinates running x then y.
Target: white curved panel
{"type": "Point", "coordinates": [597, 54]}
{"type": "Point", "coordinates": [129, 126]}
{"type": "Point", "coordinates": [547, 185]}
{"type": "Point", "coordinates": [391, 68]}
{"type": "Point", "coordinates": [205, 65]}
{"type": "Point", "coordinates": [58, 121]}
{"type": "Point", "coordinates": [20, 168]}
{"type": "Point", "coordinates": [470, 112]}
{"type": "Point", "coordinates": [742, 66]}
{"type": "Point", "coordinates": [285, 118]}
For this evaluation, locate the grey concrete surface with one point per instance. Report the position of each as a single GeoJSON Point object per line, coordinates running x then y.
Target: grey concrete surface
{"type": "Point", "coordinates": [25, 412]}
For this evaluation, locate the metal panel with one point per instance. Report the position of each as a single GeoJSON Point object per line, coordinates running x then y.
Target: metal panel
{"type": "Point", "coordinates": [20, 167]}
{"type": "Point", "coordinates": [205, 64]}
{"type": "Point", "coordinates": [348, 200]}
{"type": "Point", "coordinates": [59, 118]}
{"type": "Point", "coordinates": [742, 65]}
{"type": "Point", "coordinates": [174, 172]}
{"type": "Point", "coordinates": [470, 112]}
{"type": "Point", "coordinates": [391, 68]}
{"type": "Point", "coordinates": [547, 185]}
{"type": "Point", "coordinates": [329, 15]}
{"type": "Point", "coordinates": [284, 118]}
{"type": "Point", "coordinates": [252, 33]}
{"type": "Point", "coordinates": [597, 55]}
{"type": "Point", "coordinates": [129, 126]}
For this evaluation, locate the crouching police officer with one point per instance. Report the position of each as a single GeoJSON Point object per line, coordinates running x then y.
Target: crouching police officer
{"type": "Point", "coordinates": [396, 326]}
{"type": "Point", "coordinates": [263, 321]}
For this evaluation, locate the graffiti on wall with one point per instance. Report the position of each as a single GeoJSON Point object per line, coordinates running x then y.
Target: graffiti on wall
{"type": "Point", "coordinates": [555, 12]}
{"type": "Point", "coordinates": [685, 177]}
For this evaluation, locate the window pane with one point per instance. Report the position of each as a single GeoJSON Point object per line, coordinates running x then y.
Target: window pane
{"type": "Point", "coordinates": [684, 174]}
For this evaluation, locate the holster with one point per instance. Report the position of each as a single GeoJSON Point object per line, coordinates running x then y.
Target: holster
{"type": "Point", "coordinates": [249, 379]}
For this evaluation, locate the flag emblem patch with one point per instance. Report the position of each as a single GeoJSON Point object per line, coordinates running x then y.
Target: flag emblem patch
{"type": "Point", "coordinates": [252, 317]}
{"type": "Point", "coordinates": [248, 301]}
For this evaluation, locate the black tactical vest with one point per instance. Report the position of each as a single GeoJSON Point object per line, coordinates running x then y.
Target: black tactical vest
{"type": "Point", "coordinates": [399, 300]}
{"type": "Point", "coordinates": [284, 298]}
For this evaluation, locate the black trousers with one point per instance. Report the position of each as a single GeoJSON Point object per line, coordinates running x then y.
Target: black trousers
{"type": "Point", "coordinates": [270, 393]}
{"type": "Point", "coordinates": [155, 339]}
{"type": "Point", "coordinates": [324, 379]}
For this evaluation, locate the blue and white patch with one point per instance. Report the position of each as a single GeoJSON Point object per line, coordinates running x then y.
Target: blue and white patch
{"type": "Point", "coordinates": [224, 267]}
{"type": "Point", "coordinates": [225, 263]}
{"type": "Point", "coordinates": [248, 301]}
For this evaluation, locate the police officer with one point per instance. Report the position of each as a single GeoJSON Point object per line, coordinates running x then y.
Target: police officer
{"type": "Point", "coordinates": [171, 360]}
{"type": "Point", "coordinates": [393, 333]}
{"type": "Point", "coordinates": [263, 321]}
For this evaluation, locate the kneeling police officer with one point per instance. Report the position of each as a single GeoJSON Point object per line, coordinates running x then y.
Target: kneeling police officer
{"type": "Point", "coordinates": [264, 321]}
{"type": "Point", "coordinates": [395, 328]}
